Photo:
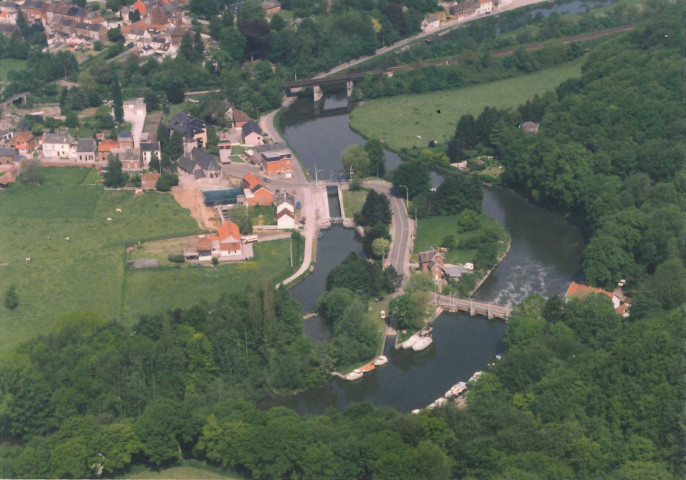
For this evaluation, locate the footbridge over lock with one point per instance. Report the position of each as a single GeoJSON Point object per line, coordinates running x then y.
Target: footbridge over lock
{"type": "Point", "coordinates": [454, 304]}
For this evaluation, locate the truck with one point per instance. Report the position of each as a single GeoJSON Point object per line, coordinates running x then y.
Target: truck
{"type": "Point", "coordinates": [298, 205]}
{"type": "Point", "coordinates": [249, 238]}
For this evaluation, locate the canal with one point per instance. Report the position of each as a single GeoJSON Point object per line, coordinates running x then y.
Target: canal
{"type": "Point", "coordinates": [544, 257]}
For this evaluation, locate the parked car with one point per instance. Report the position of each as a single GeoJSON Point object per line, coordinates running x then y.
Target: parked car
{"type": "Point", "coordinates": [266, 180]}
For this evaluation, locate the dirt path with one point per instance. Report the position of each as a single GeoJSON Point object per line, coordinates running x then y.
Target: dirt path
{"type": "Point", "coordinates": [191, 198]}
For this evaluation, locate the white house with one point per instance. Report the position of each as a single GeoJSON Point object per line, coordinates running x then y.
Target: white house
{"type": "Point", "coordinates": [485, 6]}
{"type": "Point", "coordinates": [58, 145]}
{"type": "Point", "coordinates": [285, 210]}
{"type": "Point", "coordinates": [430, 23]}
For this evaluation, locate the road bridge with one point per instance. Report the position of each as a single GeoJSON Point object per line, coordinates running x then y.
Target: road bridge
{"type": "Point", "coordinates": [453, 304]}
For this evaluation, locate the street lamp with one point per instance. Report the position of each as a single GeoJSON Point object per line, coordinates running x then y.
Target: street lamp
{"type": "Point", "coordinates": [407, 197]}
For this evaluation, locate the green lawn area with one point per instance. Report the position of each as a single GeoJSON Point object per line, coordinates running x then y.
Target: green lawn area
{"type": "Point", "coordinates": [432, 230]}
{"type": "Point", "coordinates": [188, 469]}
{"type": "Point", "coordinates": [87, 271]}
{"type": "Point", "coordinates": [353, 201]}
{"type": "Point", "coordinates": [9, 64]}
{"type": "Point", "coordinates": [399, 120]}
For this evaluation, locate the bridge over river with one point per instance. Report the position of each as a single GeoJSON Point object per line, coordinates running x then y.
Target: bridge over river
{"type": "Point", "coordinates": [454, 304]}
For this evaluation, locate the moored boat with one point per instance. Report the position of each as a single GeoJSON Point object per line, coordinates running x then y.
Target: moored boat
{"type": "Point", "coordinates": [476, 376]}
{"type": "Point", "coordinates": [422, 343]}
{"type": "Point", "coordinates": [410, 342]}
{"type": "Point", "coordinates": [354, 375]}
{"type": "Point", "coordinates": [381, 360]}
{"type": "Point", "coordinates": [367, 368]}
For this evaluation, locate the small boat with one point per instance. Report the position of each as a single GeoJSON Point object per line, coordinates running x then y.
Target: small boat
{"type": "Point", "coordinates": [425, 332]}
{"type": "Point", "coordinates": [440, 401]}
{"type": "Point", "coordinates": [320, 236]}
{"type": "Point", "coordinates": [410, 342]}
{"type": "Point", "coordinates": [456, 390]}
{"type": "Point", "coordinates": [368, 368]}
{"type": "Point", "coordinates": [476, 376]}
{"type": "Point", "coordinates": [353, 375]}
{"type": "Point", "coordinates": [415, 411]}
{"type": "Point", "coordinates": [422, 343]}
{"type": "Point", "coordinates": [381, 360]}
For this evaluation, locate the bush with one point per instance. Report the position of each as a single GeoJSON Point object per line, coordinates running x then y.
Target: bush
{"type": "Point", "coordinates": [11, 297]}
{"type": "Point", "coordinates": [215, 261]}
{"type": "Point", "coordinates": [166, 182]}
{"type": "Point", "coordinates": [178, 258]}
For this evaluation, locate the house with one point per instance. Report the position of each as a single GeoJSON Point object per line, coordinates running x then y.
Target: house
{"type": "Point", "coordinates": [150, 150]}
{"type": "Point", "coordinates": [430, 23]}
{"type": "Point", "coordinates": [133, 109]}
{"type": "Point", "coordinates": [34, 11]}
{"type": "Point", "coordinates": [485, 6]}
{"type": "Point", "coordinates": [204, 249]}
{"type": "Point", "coordinates": [620, 302]}
{"type": "Point", "coordinates": [8, 30]}
{"type": "Point", "coordinates": [125, 140]}
{"type": "Point", "coordinates": [25, 142]}
{"type": "Point", "coordinates": [140, 7]}
{"type": "Point", "coordinates": [250, 180]}
{"type": "Point", "coordinates": [267, 147]}
{"type": "Point", "coordinates": [130, 159]}
{"type": "Point", "coordinates": [97, 33]}
{"type": "Point", "coordinates": [57, 145]}
{"type": "Point", "coordinates": [106, 147]}
{"type": "Point", "coordinates": [276, 162]}
{"type": "Point", "coordinates": [7, 155]}
{"type": "Point", "coordinates": [149, 181]}
{"type": "Point", "coordinates": [252, 134]}
{"type": "Point", "coordinates": [271, 6]}
{"type": "Point", "coordinates": [227, 242]}
{"type": "Point", "coordinates": [224, 146]}
{"type": "Point", "coordinates": [199, 165]}
{"type": "Point", "coordinates": [255, 192]}
{"type": "Point", "coordinates": [285, 210]}
{"type": "Point", "coordinates": [192, 130]}
{"type": "Point", "coordinates": [240, 118]}
{"type": "Point", "coordinates": [464, 9]}
{"type": "Point", "coordinates": [432, 261]}
{"type": "Point", "coordinates": [6, 135]}
{"type": "Point", "coordinates": [530, 128]}
{"type": "Point", "coordinates": [86, 151]}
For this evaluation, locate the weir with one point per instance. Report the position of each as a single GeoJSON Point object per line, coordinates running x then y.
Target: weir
{"type": "Point", "coordinates": [490, 310]}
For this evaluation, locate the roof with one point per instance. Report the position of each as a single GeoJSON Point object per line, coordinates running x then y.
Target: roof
{"type": "Point", "coordinates": [429, 255]}
{"type": "Point", "coordinates": [25, 136]}
{"type": "Point", "coordinates": [86, 145]}
{"type": "Point", "coordinates": [107, 145]}
{"type": "Point", "coordinates": [205, 243]}
{"type": "Point", "coordinates": [186, 164]}
{"type": "Point", "coordinates": [286, 212]}
{"type": "Point", "coordinates": [198, 158]}
{"type": "Point", "coordinates": [150, 146]}
{"type": "Point", "coordinates": [276, 155]}
{"type": "Point", "coordinates": [149, 180]}
{"type": "Point", "coordinates": [7, 151]}
{"type": "Point", "coordinates": [251, 127]}
{"type": "Point", "coordinates": [140, 6]}
{"type": "Point", "coordinates": [284, 197]}
{"type": "Point", "coordinates": [251, 180]}
{"type": "Point", "coordinates": [229, 231]}
{"type": "Point", "coordinates": [187, 125]}
{"type": "Point", "coordinates": [270, 147]}
{"type": "Point", "coordinates": [578, 290]}
{"type": "Point", "coordinates": [240, 116]}
{"type": "Point", "coordinates": [57, 138]}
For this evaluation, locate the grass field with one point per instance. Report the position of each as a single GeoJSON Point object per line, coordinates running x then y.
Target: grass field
{"type": "Point", "coordinates": [399, 120]}
{"type": "Point", "coordinates": [432, 230]}
{"type": "Point", "coordinates": [353, 201]}
{"type": "Point", "coordinates": [87, 271]}
{"type": "Point", "coordinates": [188, 469]}
{"type": "Point", "coordinates": [9, 64]}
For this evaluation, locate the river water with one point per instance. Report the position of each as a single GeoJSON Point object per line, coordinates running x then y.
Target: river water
{"type": "Point", "coordinates": [544, 257]}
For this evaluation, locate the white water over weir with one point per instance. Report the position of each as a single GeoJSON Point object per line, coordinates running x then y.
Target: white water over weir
{"type": "Point", "coordinates": [453, 304]}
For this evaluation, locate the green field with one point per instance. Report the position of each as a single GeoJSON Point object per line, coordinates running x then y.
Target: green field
{"type": "Point", "coordinates": [188, 469]}
{"type": "Point", "coordinates": [87, 271]}
{"type": "Point", "coordinates": [353, 201]}
{"type": "Point", "coordinates": [398, 121]}
{"type": "Point", "coordinates": [9, 64]}
{"type": "Point", "coordinates": [432, 230]}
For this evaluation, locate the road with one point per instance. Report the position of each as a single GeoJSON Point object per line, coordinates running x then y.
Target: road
{"type": "Point", "coordinates": [403, 228]}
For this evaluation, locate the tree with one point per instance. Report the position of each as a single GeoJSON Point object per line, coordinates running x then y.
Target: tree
{"type": "Point", "coordinates": [377, 161]}
{"type": "Point", "coordinates": [198, 46]}
{"type": "Point", "coordinates": [117, 99]}
{"type": "Point", "coordinates": [186, 47]}
{"type": "Point", "coordinates": [355, 160]}
{"type": "Point", "coordinates": [152, 101]}
{"type": "Point", "coordinates": [134, 16]}
{"type": "Point", "coordinates": [114, 177]}
{"type": "Point", "coordinates": [376, 209]}
{"type": "Point", "coordinates": [411, 174]}
{"type": "Point", "coordinates": [166, 182]}
{"type": "Point", "coordinates": [11, 297]}
{"type": "Point", "coordinates": [392, 278]}
{"type": "Point", "coordinates": [380, 247]}
{"type": "Point", "coordinates": [31, 173]}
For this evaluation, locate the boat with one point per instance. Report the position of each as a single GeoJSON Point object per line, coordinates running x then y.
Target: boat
{"type": "Point", "coordinates": [476, 376]}
{"type": "Point", "coordinates": [368, 368]}
{"type": "Point", "coordinates": [422, 343]}
{"type": "Point", "coordinates": [456, 390]}
{"type": "Point", "coordinates": [416, 411]}
{"type": "Point", "coordinates": [409, 342]}
{"type": "Point", "coordinates": [320, 236]}
{"type": "Point", "coordinates": [381, 360]}
{"type": "Point", "coordinates": [440, 401]}
{"type": "Point", "coordinates": [354, 375]}
{"type": "Point", "coordinates": [425, 332]}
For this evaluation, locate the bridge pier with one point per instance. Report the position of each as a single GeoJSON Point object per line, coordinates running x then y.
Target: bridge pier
{"type": "Point", "coordinates": [317, 92]}
{"type": "Point", "coordinates": [349, 87]}
{"type": "Point", "coordinates": [472, 311]}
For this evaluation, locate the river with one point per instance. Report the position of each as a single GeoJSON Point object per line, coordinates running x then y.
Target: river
{"type": "Point", "coordinates": [544, 257]}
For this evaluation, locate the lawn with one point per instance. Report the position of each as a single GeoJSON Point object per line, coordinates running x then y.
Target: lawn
{"type": "Point", "coordinates": [398, 121]}
{"type": "Point", "coordinates": [188, 469]}
{"type": "Point", "coordinates": [353, 201]}
{"type": "Point", "coordinates": [432, 230]}
{"type": "Point", "coordinates": [87, 271]}
{"type": "Point", "coordinates": [9, 64]}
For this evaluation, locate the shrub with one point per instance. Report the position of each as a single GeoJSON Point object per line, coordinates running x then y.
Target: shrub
{"type": "Point", "coordinates": [11, 297]}
{"type": "Point", "coordinates": [166, 182]}
{"type": "Point", "coordinates": [215, 261]}
{"type": "Point", "coordinates": [176, 258]}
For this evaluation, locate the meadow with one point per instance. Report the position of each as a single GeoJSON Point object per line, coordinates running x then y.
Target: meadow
{"type": "Point", "coordinates": [353, 201]}
{"type": "Point", "coordinates": [9, 64]}
{"type": "Point", "coordinates": [408, 121]}
{"type": "Point", "coordinates": [87, 271]}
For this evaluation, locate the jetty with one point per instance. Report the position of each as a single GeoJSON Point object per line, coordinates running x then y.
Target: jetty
{"type": "Point", "coordinates": [453, 304]}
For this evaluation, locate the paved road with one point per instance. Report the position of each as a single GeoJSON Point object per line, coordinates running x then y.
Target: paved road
{"type": "Point", "coordinates": [402, 228]}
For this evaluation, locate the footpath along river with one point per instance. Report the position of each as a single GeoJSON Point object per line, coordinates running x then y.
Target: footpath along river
{"type": "Point", "coordinates": [544, 257]}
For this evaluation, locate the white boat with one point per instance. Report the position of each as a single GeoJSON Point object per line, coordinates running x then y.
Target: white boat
{"type": "Point", "coordinates": [422, 343]}
{"type": "Point", "coordinates": [476, 376]}
{"type": "Point", "coordinates": [381, 360]}
{"type": "Point", "coordinates": [410, 342]}
{"type": "Point", "coordinates": [456, 389]}
{"type": "Point", "coordinates": [440, 401]}
{"type": "Point", "coordinates": [353, 375]}
{"type": "Point", "coordinates": [416, 411]}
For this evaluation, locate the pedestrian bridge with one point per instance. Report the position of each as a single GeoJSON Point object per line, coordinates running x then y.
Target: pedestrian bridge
{"type": "Point", "coordinates": [453, 304]}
